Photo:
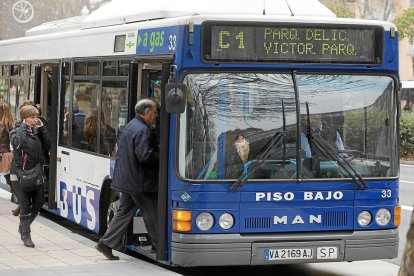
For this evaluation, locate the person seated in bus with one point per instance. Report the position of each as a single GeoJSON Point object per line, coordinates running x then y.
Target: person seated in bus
{"type": "Point", "coordinates": [136, 177]}
{"type": "Point", "coordinates": [323, 126]}
{"type": "Point", "coordinates": [78, 122]}
{"type": "Point", "coordinates": [108, 135]}
{"type": "Point", "coordinates": [239, 154]}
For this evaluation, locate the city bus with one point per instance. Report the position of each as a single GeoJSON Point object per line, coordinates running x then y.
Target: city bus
{"type": "Point", "coordinates": [407, 96]}
{"type": "Point", "coordinates": [277, 126]}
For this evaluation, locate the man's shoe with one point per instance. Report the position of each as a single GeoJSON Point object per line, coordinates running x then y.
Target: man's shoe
{"type": "Point", "coordinates": [16, 211]}
{"type": "Point", "coordinates": [106, 251]}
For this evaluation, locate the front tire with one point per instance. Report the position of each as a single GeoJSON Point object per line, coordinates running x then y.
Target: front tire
{"type": "Point", "coordinates": [108, 196]}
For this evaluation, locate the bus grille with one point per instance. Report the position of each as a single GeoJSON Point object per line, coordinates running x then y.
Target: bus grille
{"type": "Point", "coordinates": [335, 218]}
{"type": "Point", "coordinates": [257, 223]}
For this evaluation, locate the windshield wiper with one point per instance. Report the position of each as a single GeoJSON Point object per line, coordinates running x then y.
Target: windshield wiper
{"type": "Point", "coordinates": [328, 150]}
{"type": "Point", "coordinates": [260, 157]}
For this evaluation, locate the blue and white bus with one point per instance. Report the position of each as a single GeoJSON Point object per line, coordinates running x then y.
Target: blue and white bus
{"type": "Point", "coordinates": [278, 125]}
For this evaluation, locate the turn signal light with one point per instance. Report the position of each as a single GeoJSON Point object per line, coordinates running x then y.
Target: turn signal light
{"type": "Point", "coordinates": [181, 226]}
{"type": "Point", "coordinates": [397, 215]}
{"type": "Point", "coordinates": [181, 220]}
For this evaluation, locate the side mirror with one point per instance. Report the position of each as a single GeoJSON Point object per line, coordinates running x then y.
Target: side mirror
{"type": "Point", "coordinates": [176, 96]}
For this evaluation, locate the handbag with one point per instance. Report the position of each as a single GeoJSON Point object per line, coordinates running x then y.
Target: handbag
{"type": "Point", "coordinates": [29, 180]}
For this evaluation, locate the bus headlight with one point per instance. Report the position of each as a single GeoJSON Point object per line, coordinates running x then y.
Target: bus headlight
{"type": "Point", "coordinates": [383, 217]}
{"type": "Point", "coordinates": [205, 221]}
{"type": "Point", "coordinates": [226, 221]}
{"type": "Point", "coordinates": [364, 218]}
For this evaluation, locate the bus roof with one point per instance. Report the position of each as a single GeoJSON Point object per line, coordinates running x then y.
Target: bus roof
{"type": "Point", "coordinates": [125, 11]}
{"type": "Point", "coordinates": [119, 12]}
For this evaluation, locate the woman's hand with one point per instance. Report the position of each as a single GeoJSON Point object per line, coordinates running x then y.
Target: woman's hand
{"type": "Point", "coordinates": [39, 123]}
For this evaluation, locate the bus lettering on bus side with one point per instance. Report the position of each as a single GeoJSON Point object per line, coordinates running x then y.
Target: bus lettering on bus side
{"type": "Point", "coordinates": [297, 219]}
{"type": "Point", "coordinates": [78, 204]}
{"type": "Point", "coordinates": [323, 195]}
{"type": "Point", "coordinates": [288, 196]}
{"type": "Point", "coordinates": [276, 196]}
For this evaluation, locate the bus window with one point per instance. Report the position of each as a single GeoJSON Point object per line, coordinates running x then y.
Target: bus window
{"type": "Point", "coordinates": [84, 99]}
{"type": "Point", "coordinates": [4, 87]}
{"type": "Point", "coordinates": [64, 124]}
{"type": "Point", "coordinates": [113, 118]}
{"type": "Point", "coordinates": [18, 95]}
{"type": "Point", "coordinates": [221, 108]}
{"type": "Point", "coordinates": [407, 96]}
{"type": "Point", "coordinates": [356, 111]}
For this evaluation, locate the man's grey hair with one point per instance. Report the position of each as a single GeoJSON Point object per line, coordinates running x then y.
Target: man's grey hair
{"type": "Point", "coordinates": [142, 105]}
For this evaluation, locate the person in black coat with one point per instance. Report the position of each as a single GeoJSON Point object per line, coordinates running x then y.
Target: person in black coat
{"type": "Point", "coordinates": [136, 176]}
{"type": "Point", "coordinates": [28, 139]}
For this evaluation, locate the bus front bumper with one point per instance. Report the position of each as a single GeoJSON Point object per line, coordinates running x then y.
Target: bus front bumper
{"type": "Point", "coordinates": [189, 250]}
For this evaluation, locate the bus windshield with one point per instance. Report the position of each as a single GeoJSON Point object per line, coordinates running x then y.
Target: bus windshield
{"type": "Point", "coordinates": [235, 122]}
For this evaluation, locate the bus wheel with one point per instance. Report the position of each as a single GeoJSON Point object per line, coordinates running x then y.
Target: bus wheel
{"type": "Point", "coordinates": [113, 208]}
{"type": "Point", "coordinates": [108, 196]}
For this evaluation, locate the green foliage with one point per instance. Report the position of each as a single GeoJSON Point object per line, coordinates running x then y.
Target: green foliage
{"type": "Point", "coordinates": [356, 131]}
{"type": "Point", "coordinates": [405, 25]}
{"type": "Point", "coordinates": [341, 10]}
{"type": "Point", "coordinates": [407, 133]}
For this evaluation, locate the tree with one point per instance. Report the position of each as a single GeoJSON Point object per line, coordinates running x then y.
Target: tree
{"type": "Point", "coordinates": [405, 25]}
{"type": "Point", "coordinates": [341, 10]}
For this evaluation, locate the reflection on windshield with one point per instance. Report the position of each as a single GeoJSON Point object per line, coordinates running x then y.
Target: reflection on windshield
{"type": "Point", "coordinates": [231, 116]}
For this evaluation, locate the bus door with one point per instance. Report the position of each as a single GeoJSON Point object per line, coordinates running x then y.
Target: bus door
{"type": "Point", "coordinates": [151, 79]}
{"type": "Point", "coordinates": [45, 96]}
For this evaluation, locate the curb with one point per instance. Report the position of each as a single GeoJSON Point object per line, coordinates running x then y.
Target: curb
{"type": "Point", "coordinates": [406, 162]}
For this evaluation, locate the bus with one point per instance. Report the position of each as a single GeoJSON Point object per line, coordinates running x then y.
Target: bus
{"type": "Point", "coordinates": [277, 126]}
{"type": "Point", "coordinates": [407, 96]}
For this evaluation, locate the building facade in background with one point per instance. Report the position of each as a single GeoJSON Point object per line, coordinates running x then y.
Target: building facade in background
{"type": "Point", "coordinates": [18, 16]}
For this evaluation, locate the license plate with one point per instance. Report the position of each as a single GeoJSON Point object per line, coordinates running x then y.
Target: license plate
{"type": "Point", "coordinates": [322, 253]}
{"type": "Point", "coordinates": [288, 254]}
{"type": "Point", "coordinates": [327, 253]}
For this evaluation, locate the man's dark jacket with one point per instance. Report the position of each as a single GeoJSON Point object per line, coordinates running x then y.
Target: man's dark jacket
{"type": "Point", "coordinates": [136, 163]}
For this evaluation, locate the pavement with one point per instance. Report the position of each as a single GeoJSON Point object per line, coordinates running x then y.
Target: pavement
{"type": "Point", "coordinates": [59, 251]}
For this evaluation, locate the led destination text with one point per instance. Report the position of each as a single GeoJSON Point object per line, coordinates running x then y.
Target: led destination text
{"type": "Point", "coordinates": [285, 41]}
{"type": "Point", "coordinates": [316, 44]}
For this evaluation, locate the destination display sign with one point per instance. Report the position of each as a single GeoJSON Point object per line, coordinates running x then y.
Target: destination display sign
{"type": "Point", "coordinates": [293, 43]}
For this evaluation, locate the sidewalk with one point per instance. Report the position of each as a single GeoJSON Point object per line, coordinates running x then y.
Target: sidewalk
{"type": "Point", "coordinates": [58, 251]}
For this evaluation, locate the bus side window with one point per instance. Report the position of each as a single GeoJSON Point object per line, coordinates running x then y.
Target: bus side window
{"type": "Point", "coordinates": [84, 100]}
{"type": "Point", "coordinates": [114, 114]}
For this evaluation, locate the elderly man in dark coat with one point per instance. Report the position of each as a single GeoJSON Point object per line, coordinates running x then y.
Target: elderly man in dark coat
{"type": "Point", "coordinates": [136, 176]}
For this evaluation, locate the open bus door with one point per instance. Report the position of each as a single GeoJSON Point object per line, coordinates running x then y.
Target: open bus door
{"type": "Point", "coordinates": [45, 94]}
{"type": "Point", "coordinates": [53, 124]}
{"type": "Point", "coordinates": [149, 82]}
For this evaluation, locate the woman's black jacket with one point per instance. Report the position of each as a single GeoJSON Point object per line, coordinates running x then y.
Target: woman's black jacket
{"type": "Point", "coordinates": [29, 142]}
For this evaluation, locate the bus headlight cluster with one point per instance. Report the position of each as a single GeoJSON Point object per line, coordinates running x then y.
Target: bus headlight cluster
{"type": "Point", "coordinates": [226, 221]}
{"type": "Point", "coordinates": [364, 218]}
{"type": "Point", "coordinates": [382, 217]}
{"type": "Point", "coordinates": [205, 221]}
